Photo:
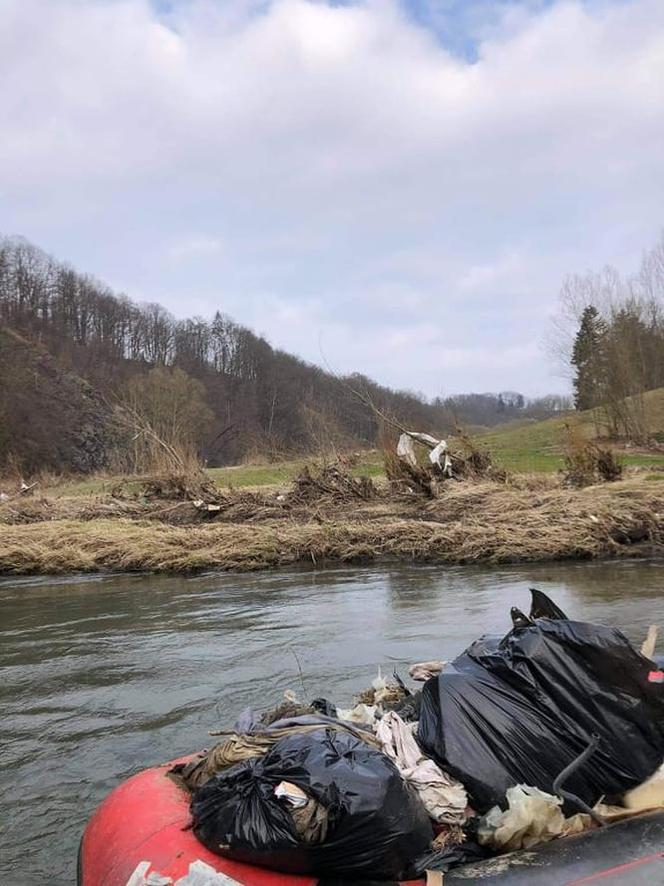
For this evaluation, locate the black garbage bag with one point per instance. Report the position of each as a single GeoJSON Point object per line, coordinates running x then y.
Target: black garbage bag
{"type": "Point", "coordinates": [542, 606]}
{"type": "Point", "coordinates": [376, 824]}
{"type": "Point", "coordinates": [518, 711]}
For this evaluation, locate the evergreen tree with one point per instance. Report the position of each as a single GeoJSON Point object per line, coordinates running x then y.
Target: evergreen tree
{"type": "Point", "coordinates": [587, 358]}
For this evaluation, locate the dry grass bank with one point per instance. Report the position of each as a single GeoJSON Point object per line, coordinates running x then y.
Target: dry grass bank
{"type": "Point", "coordinates": [484, 522]}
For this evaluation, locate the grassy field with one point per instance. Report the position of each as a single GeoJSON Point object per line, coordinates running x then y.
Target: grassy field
{"type": "Point", "coordinates": [540, 446]}
{"type": "Point", "coordinates": [530, 449]}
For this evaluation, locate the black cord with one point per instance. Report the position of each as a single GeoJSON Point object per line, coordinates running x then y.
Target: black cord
{"type": "Point", "coordinates": [562, 777]}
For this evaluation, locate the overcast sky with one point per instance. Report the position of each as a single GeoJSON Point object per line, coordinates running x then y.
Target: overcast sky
{"type": "Point", "coordinates": [398, 186]}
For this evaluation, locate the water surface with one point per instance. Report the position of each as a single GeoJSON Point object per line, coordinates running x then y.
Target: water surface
{"type": "Point", "coordinates": [100, 677]}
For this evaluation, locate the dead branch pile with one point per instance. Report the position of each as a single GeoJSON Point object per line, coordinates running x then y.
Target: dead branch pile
{"type": "Point", "coordinates": [331, 483]}
{"type": "Point", "coordinates": [587, 463]}
{"type": "Point", "coordinates": [405, 477]}
{"type": "Point", "coordinates": [179, 486]}
{"type": "Point", "coordinates": [473, 462]}
{"type": "Point", "coordinates": [31, 510]}
{"type": "Point", "coordinates": [235, 507]}
{"type": "Point", "coordinates": [173, 470]}
{"type": "Point", "coordinates": [241, 506]}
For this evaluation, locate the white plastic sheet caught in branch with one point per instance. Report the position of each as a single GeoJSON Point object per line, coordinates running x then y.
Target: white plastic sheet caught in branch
{"type": "Point", "coordinates": [440, 456]}
{"type": "Point", "coordinates": [444, 797]}
{"type": "Point", "coordinates": [438, 450]}
{"type": "Point", "coordinates": [406, 450]}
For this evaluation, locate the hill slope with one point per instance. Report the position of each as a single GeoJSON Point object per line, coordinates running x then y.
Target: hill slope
{"type": "Point", "coordinates": [540, 446]}
{"type": "Point", "coordinates": [49, 418]}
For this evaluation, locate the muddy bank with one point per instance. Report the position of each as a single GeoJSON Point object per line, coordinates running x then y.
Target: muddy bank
{"type": "Point", "coordinates": [471, 522]}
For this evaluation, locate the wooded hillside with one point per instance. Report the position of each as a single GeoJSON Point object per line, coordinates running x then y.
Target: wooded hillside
{"type": "Point", "coordinates": [238, 394]}
{"type": "Point", "coordinates": [211, 383]}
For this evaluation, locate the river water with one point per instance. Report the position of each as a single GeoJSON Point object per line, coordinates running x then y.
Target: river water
{"type": "Point", "coordinates": [101, 677]}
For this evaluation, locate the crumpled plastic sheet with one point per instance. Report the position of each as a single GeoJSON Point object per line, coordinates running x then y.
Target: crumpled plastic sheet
{"type": "Point", "coordinates": [438, 454]}
{"type": "Point", "coordinates": [532, 817]}
{"type": "Point", "coordinates": [649, 794]}
{"type": "Point", "coordinates": [443, 797]}
{"type": "Point", "coordinates": [362, 714]}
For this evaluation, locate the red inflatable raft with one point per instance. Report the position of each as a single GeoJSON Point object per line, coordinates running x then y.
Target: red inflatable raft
{"type": "Point", "coordinates": [147, 819]}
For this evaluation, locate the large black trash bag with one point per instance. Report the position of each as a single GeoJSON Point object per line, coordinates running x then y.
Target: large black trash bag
{"type": "Point", "coordinates": [518, 711]}
{"type": "Point", "coordinates": [376, 823]}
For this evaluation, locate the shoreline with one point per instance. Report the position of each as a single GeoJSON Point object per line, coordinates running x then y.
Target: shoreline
{"type": "Point", "coordinates": [468, 523]}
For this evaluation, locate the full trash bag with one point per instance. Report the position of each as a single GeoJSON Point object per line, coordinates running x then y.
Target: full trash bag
{"type": "Point", "coordinates": [376, 825]}
{"type": "Point", "coordinates": [518, 711]}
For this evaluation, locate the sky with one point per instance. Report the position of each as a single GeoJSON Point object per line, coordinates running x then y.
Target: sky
{"type": "Point", "coordinates": [394, 187]}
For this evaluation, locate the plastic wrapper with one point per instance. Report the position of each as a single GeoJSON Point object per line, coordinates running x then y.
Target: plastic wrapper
{"type": "Point", "coordinates": [376, 823]}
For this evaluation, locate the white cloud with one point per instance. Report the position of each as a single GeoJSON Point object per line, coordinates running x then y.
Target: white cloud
{"type": "Point", "coordinates": [485, 276]}
{"type": "Point", "coordinates": [383, 192]}
{"type": "Point", "coordinates": [196, 246]}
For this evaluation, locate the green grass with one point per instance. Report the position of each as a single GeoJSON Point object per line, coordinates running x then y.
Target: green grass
{"type": "Point", "coordinates": [277, 474]}
{"type": "Point", "coordinates": [643, 460]}
{"type": "Point", "coordinates": [257, 475]}
{"type": "Point", "coordinates": [369, 469]}
{"type": "Point", "coordinates": [92, 486]}
{"type": "Point", "coordinates": [89, 486]}
{"type": "Point", "coordinates": [527, 448]}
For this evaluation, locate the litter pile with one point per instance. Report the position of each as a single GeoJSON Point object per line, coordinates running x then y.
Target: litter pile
{"type": "Point", "coordinates": [520, 740]}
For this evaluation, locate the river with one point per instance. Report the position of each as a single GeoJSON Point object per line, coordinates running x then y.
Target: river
{"type": "Point", "coordinates": [103, 676]}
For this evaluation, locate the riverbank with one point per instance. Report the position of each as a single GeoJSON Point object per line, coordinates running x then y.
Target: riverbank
{"type": "Point", "coordinates": [525, 520]}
